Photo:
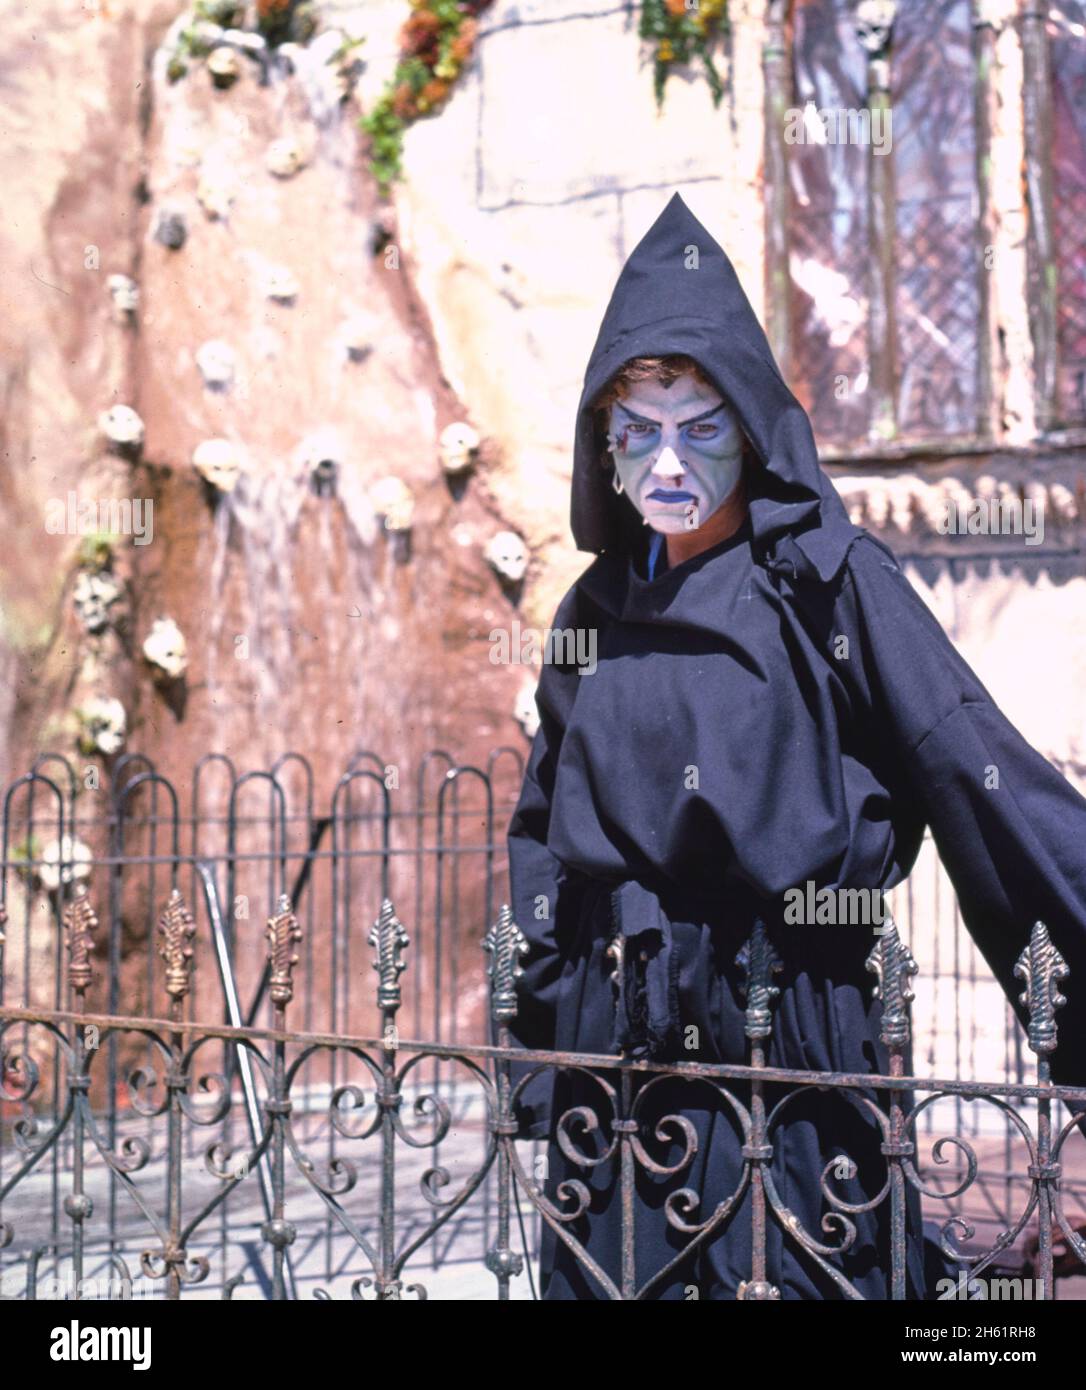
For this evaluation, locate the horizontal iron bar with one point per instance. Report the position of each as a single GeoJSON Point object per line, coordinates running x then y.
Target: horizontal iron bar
{"type": "Point", "coordinates": [452, 1051]}
{"type": "Point", "coordinates": [257, 856]}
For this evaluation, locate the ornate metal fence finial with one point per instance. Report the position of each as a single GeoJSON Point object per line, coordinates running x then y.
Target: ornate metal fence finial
{"type": "Point", "coordinates": [1042, 968]}
{"type": "Point", "coordinates": [388, 938]}
{"type": "Point", "coordinates": [892, 963]}
{"type": "Point", "coordinates": [177, 928]}
{"type": "Point", "coordinates": [283, 933]}
{"type": "Point", "coordinates": [505, 942]}
{"type": "Point", "coordinates": [761, 962]}
{"type": "Point", "coordinates": [80, 922]}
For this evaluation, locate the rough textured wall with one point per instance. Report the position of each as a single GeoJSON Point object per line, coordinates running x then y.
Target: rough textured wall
{"type": "Point", "coordinates": [74, 98]}
{"type": "Point", "coordinates": [306, 621]}
{"type": "Point", "coordinates": [523, 200]}
{"type": "Point", "coordinates": [520, 201]}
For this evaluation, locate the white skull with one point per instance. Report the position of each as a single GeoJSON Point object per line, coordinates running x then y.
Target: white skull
{"type": "Point", "coordinates": [507, 554]}
{"type": "Point", "coordinates": [165, 648]}
{"type": "Point", "coordinates": [75, 857]}
{"type": "Point", "coordinates": [121, 426]}
{"type": "Point", "coordinates": [216, 190]}
{"type": "Point", "coordinates": [224, 66]}
{"type": "Point", "coordinates": [393, 500]}
{"type": "Point", "coordinates": [874, 19]}
{"type": "Point", "coordinates": [103, 725]}
{"type": "Point", "coordinates": [284, 158]}
{"type": "Point", "coordinates": [525, 710]}
{"type": "Point", "coordinates": [357, 334]}
{"type": "Point", "coordinates": [218, 462]}
{"type": "Point", "coordinates": [125, 294]}
{"type": "Point", "coordinates": [216, 362]}
{"type": "Point", "coordinates": [92, 597]}
{"type": "Point", "coordinates": [457, 445]}
{"type": "Point", "coordinates": [281, 284]}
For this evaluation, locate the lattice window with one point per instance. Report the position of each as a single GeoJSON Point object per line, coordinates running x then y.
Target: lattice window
{"type": "Point", "coordinates": [827, 231]}
{"type": "Point", "coordinates": [1067, 59]}
{"type": "Point", "coordinates": [937, 243]}
{"type": "Point", "coordinates": [885, 313]}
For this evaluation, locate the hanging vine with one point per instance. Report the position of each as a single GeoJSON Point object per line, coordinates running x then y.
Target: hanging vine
{"type": "Point", "coordinates": [438, 37]}
{"type": "Point", "coordinates": [435, 43]}
{"type": "Point", "coordinates": [681, 31]}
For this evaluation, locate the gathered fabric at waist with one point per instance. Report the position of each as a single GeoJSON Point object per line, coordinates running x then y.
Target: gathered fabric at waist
{"type": "Point", "coordinates": [655, 951]}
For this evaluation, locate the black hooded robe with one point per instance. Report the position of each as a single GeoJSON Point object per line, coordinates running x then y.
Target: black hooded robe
{"type": "Point", "coordinates": [729, 746]}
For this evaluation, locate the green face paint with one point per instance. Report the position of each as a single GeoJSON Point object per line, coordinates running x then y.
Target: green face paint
{"type": "Point", "coordinates": [678, 451]}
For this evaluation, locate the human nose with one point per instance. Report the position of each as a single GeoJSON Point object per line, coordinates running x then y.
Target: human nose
{"type": "Point", "coordinates": [667, 464]}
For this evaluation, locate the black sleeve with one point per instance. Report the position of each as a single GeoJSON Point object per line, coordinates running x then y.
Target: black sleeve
{"type": "Point", "coordinates": [1009, 828]}
{"type": "Point", "coordinates": [536, 878]}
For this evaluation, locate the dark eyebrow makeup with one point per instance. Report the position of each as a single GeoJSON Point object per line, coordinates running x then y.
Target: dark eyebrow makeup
{"type": "Point", "coordinates": [695, 420]}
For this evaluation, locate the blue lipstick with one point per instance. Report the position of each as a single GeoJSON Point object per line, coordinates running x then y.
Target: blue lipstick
{"type": "Point", "coordinates": [671, 495]}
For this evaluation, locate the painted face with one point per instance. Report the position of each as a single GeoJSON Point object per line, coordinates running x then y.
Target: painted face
{"type": "Point", "coordinates": [678, 451]}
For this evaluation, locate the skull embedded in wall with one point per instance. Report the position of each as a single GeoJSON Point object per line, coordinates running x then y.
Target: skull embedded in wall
{"type": "Point", "coordinates": [224, 66]}
{"type": "Point", "coordinates": [216, 362]}
{"type": "Point", "coordinates": [525, 710]}
{"type": "Point", "coordinates": [281, 284]}
{"type": "Point", "coordinates": [216, 190]}
{"type": "Point", "coordinates": [102, 725]}
{"type": "Point", "coordinates": [507, 554]}
{"type": "Point", "coordinates": [322, 477]}
{"type": "Point", "coordinates": [357, 335]}
{"type": "Point", "coordinates": [873, 21]}
{"type": "Point", "coordinates": [125, 294]}
{"type": "Point", "coordinates": [122, 427]}
{"type": "Point", "coordinates": [170, 228]}
{"type": "Point", "coordinates": [92, 597]}
{"type": "Point", "coordinates": [457, 445]}
{"type": "Point", "coordinates": [392, 500]}
{"type": "Point", "coordinates": [284, 157]}
{"type": "Point", "coordinates": [218, 462]}
{"type": "Point", "coordinates": [63, 861]}
{"type": "Point", "coordinates": [165, 648]}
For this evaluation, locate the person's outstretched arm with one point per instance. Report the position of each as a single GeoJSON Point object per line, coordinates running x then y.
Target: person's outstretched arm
{"type": "Point", "coordinates": [1009, 828]}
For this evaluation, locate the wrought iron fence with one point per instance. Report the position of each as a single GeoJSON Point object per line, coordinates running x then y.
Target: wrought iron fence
{"type": "Point", "coordinates": [312, 1156]}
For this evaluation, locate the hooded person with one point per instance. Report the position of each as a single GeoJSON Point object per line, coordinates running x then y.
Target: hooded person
{"type": "Point", "coordinates": [779, 709]}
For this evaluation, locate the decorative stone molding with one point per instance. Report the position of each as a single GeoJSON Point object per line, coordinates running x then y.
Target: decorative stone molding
{"type": "Point", "coordinates": [926, 507]}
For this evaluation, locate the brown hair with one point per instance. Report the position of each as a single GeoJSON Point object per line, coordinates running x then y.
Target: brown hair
{"type": "Point", "coordinates": [662, 369]}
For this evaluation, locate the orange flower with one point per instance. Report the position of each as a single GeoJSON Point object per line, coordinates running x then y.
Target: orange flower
{"type": "Point", "coordinates": [461, 46]}
{"type": "Point", "coordinates": [675, 8]}
{"type": "Point", "coordinates": [432, 93]}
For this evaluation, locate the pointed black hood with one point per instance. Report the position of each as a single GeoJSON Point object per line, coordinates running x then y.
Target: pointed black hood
{"type": "Point", "coordinates": [661, 304]}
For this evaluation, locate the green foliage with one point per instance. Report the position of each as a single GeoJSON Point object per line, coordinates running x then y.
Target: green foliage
{"type": "Point", "coordinates": [96, 550]}
{"type": "Point", "coordinates": [681, 33]}
{"type": "Point", "coordinates": [385, 130]}
{"type": "Point", "coordinates": [437, 39]}
{"type": "Point", "coordinates": [435, 43]}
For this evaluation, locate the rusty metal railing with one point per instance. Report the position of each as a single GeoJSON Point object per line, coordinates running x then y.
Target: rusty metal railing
{"type": "Point", "coordinates": [173, 1195]}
